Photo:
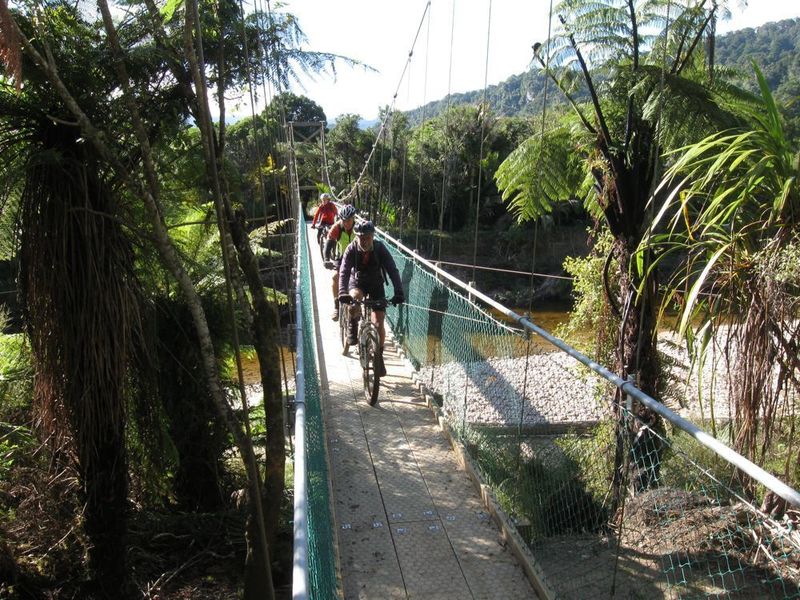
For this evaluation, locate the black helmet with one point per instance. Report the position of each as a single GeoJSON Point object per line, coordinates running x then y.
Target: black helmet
{"type": "Point", "coordinates": [364, 228]}
{"type": "Point", "coordinates": [348, 211]}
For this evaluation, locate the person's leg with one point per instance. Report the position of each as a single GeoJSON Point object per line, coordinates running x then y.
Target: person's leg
{"type": "Point", "coordinates": [378, 317]}
{"type": "Point", "coordinates": [335, 289]}
{"type": "Point", "coordinates": [355, 315]}
{"type": "Point", "coordinates": [377, 293]}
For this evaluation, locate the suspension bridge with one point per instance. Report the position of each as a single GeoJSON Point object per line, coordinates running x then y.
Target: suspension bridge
{"type": "Point", "coordinates": [477, 477]}
{"type": "Point", "coordinates": [499, 463]}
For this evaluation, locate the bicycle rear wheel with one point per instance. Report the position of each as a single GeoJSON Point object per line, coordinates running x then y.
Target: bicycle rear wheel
{"type": "Point", "coordinates": [322, 235]}
{"type": "Point", "coordinates": [372, 380]}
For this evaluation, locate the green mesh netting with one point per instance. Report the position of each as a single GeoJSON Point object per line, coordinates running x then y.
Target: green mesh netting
{"type": "Point", "coordinates": [321, 564]}
{"type": "Point", "coordinates": [608, 506]}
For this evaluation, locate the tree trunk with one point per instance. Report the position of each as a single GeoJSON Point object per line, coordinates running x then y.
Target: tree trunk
{"type": "Point", "coordinates": [639, 431]}
{"type": "Point", "coordinates": [265, 502]}
{"type": "Point", "coordinates": [161, 238]}
{"type": "Point", "coordinates": [80, 304]}
{"type": "Point", "coordinates": [104, 474]}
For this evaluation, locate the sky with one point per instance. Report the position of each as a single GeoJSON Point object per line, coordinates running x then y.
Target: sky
{"type": "Point", "coordinates": [381, 33]}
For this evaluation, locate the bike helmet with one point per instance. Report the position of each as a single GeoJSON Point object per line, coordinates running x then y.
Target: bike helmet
{"type": "Point", "coordinates": [324, 196]}
{"type": "Point", "coordinates": [364, 228]}
{"type": "Point", "coordinates": [348, 211]}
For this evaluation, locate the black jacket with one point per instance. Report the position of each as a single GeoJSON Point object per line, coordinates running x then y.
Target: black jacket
{"type": "Point", "coordinates": [366, 268]}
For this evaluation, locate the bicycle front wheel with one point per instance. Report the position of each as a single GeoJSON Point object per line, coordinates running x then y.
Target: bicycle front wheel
{"type": "Point", "coordinates": [344, 326]}
{"type": "Point", "coordinates": [372, 380]}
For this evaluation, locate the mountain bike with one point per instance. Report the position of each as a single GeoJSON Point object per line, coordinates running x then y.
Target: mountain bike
{"type": "Point", "coordinates": [322, 235]}
{"type": "Point", "coordinates": [369, 344]}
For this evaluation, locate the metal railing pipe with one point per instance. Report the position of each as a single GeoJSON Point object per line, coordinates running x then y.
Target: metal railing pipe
{"type": "Point", "coordinates": [300, 553]}
{"type": "Point", "coordinates": [737, 460]}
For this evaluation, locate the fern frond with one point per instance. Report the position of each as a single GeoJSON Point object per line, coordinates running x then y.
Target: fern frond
{"type": "Point", "coordinates": [542, 171]}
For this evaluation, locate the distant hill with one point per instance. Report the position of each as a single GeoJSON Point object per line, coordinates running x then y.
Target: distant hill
{"type": "Point", "coordinates": [518, 95]}
{"type": "Point", "coordinates": [367, 123]}
{"type": "Point", "coordinates": [775, 47]}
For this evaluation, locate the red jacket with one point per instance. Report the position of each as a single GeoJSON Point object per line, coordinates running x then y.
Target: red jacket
{"type": "Point", "coordinates": [325, 213]}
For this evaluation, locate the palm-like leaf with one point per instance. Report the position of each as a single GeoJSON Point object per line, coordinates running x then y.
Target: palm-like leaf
{"type": "Point", "coordinates": [734, 212]}
{"type": "Point", "coordinates": [281, 50]}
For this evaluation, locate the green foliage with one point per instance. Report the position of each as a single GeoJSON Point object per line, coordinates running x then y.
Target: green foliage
{"type": "Point", "coordinates": [16, 373]}
{"type": "Point", "coordinates": [519, 95]}
{"type": "Point", "coordinates": [774, 45]}
{"type": "Point", "coordinates": [784, 268]}
{"type": "Point", "coordinates": [454, 140]}
{"type": "Point", "coordinates": [549, 488]}
{"type": "Point", "coordinates": [195, 441]}
{"type": "Point", "coordinates": [16, 444]}
{"type": "Point", "coordinates": [731, 216]}
{"type": "Point", "coordinates": [593, 453]}
{"type": "Point", "coordinates": [543, 171]}
{"type": "Point", "coordinates": [168, 10]}
{"type": "Point", "coordinates": [590, 310]}
{"type": "Point", "coordinates": [735, 191]}
{"type": "Point", "coordinates": [260, 235]}
{"type": "Point", "coordinates": [194, 233]}
{"type": "Point", "coordinates": [288, 107]}
{"type": "Point", "coordinates": [348, 147]}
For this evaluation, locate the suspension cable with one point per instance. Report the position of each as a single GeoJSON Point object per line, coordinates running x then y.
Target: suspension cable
{"type": "Point", "coordinates": [262, 192]}
{"type": "Point", "coordinates": [325, 172]}
{"type": "Point", "coordinates": [261, 160]}
{"type": "Point", "coordinates": [446, 165]}
{"type": "Point", "coordinates": [483, 131]}
{"type": "Point", "coordinates": [376, 216]}
{"type": "Point", "coordinates": [510, 271]}
{"type": "Point", "coordinates": [192, 13]}
{"type": "Point", "coordinates": [391, 164]}
{"type": "Point", "coordinates": [403, 191]}
{"type": "Point", "coordinates": [535, 241]}
{"type": "Point", "coordinates": [346, 197]}
{"type": "Point", "coordinates": [422, 123]}
{"type": "Point", "coordinates": [405, 159]}
{"type": "Point", "coordinates": [282, 201]}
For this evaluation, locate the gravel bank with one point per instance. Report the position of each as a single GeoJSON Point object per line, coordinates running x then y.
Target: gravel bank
{"type": "Point", "coordinates": [498, 391]}
{"type": "Point", "coordinates": [558, 390]}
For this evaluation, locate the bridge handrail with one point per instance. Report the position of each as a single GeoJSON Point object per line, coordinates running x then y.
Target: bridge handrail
{"type": "Point", "coordinates": [731, 456]}
{"type": "Point", "coordinates": [300, 558]}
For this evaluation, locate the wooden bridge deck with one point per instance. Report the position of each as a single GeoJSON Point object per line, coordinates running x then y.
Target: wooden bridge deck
{"type": "Point", "coordinates": [409, 521]}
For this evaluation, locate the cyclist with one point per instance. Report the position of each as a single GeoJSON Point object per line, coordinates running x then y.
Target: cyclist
{"type": "Point", "coordinates": [361, 274]}
{"type": "Point", "coordinates": [325, 213]}
{"type": "Point", "coordinates": [339, 237]}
